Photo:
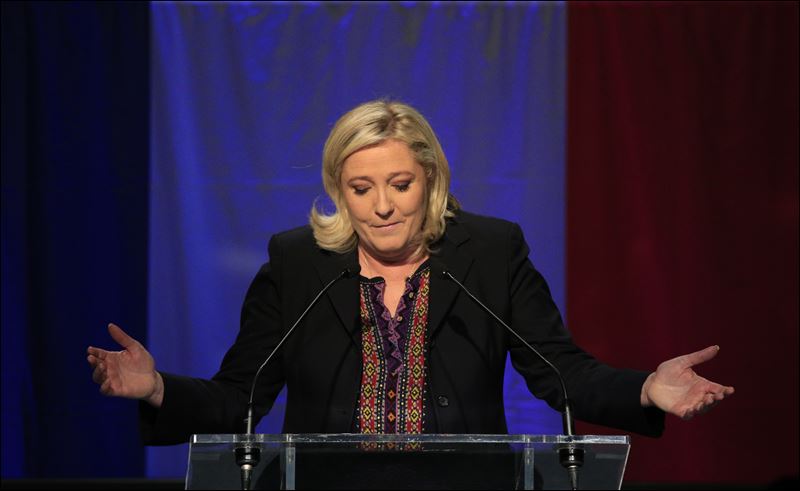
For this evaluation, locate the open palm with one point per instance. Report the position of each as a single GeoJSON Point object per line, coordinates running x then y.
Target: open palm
{"type": "Point", "coordinates": [128, 373]}
{"type": "Point", "coordinates": [677, 389]}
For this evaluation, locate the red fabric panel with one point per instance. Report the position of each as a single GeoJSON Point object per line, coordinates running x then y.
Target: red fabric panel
{"type": "Point", "coordinates": [682, 218]}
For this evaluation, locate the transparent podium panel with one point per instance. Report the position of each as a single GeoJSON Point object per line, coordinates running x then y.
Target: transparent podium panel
{"type": "Point", "coordinates": [353, 461]}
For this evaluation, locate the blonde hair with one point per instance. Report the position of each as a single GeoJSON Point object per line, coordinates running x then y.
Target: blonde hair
{"type": "Point", "coordinates": [370, 124]}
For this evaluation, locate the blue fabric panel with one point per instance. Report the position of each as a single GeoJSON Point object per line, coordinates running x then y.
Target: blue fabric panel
{"type": "Point", "coordinates": [243, 97]}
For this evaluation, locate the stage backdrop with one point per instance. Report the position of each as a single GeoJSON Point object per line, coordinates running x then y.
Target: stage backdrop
{"type": "Point", "coordinates": [243, 97]}
{"type": "Point", "coordinates": [141, 186]}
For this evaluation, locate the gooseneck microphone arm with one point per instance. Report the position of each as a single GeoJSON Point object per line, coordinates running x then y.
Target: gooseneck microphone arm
{"type": "Point", "coordinates": [571, 457]}
{"type": "Point", "coordinates": [248, 455]}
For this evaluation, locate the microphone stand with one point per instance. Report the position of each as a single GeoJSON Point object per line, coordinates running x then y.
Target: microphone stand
{"type": "Point", "coordinates": [570, 456]}
{"type": "Point", "coordinates": [248, 455]}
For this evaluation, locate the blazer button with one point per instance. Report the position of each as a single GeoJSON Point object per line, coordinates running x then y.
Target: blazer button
{"type": "Point", "coordinates": [443, 401]}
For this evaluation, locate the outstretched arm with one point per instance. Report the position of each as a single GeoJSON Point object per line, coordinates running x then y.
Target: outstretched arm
{"type": "Point", "coordinates": [128, 373]}
{"type": "Point", "coordinates": [677, 389]}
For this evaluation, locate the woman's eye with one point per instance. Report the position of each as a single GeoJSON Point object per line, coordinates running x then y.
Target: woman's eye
{"type": "Point", "coordinates": [360, 191]}
{"type": "Point", "coordinates": [402, 187]}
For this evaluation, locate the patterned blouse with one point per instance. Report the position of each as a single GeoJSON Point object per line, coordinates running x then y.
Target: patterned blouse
{"type": "Point", "coordinates": [393, 389]}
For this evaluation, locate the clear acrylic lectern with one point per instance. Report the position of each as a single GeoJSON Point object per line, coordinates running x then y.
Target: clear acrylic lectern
{"type": "Point", "coordinates": [353, 461]}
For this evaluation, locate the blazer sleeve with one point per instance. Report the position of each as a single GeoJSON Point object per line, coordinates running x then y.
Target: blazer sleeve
{"type": "Point", "coordinates": [599, 393]}
{"type": "Point", "coordinates": [219, 405]}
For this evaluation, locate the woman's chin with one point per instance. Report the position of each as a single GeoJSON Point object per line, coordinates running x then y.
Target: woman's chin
{"type": "Point", "coordinates": [391, 252]}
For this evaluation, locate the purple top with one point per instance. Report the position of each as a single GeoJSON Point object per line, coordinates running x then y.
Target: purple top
{"type": "Point", "coordinates": [389, 340]}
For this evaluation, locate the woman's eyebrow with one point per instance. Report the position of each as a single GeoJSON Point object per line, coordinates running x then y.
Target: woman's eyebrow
{"type": "Point", "coordinates": [389, 177]}
{"type": "Point", "coordinates": [400, 173]}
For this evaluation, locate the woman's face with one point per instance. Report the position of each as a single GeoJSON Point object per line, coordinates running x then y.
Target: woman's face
{"type": "Point", "coordinates": [385, 193]}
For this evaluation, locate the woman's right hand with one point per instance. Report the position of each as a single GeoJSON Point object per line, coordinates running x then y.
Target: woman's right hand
{"type": "Point", "coordinates": [128, 373]}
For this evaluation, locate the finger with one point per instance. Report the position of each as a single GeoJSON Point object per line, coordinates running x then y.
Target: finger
{"type": "Point", "coordinates": [708, 407]}
{"type": "Point", "coordinates": [121, 337]}
{"type": "Point", "coordinates": [684, 411]}
{"type": "Point", "coordinates": [701, 356]}
{"type": "Point", "coordinates": [720, 390]}
{"type": "Point", "coordinates": [98, 375]}
{"type": "Point", "coordinates": [93, 361]}
{"type": "Point", "coordinates": [105, 388]}
{"type": "Point", "coordinates": [710, 400]}
{"type": "Point", "coordinates": [97, 352]}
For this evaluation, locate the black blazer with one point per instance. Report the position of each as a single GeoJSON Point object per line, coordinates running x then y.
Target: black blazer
{"type": "Point", "coordinates": [321, 362]}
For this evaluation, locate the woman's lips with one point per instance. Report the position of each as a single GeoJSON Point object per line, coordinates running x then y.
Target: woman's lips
{"type": "Point", "coordinates": [388, 227]}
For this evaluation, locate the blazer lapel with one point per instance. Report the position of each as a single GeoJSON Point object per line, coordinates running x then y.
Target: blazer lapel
{"type": "Point", "coordinates": [457, 261]}
{"type": "Point", "coordinates": [343, 295]}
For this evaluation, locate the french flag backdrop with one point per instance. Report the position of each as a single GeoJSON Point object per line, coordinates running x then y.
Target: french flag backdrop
{"type": "Point", "coordinates": [648, 150]}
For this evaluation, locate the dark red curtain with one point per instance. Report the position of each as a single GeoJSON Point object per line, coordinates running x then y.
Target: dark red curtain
{"type": "Point", "coordinates": [682, 216]}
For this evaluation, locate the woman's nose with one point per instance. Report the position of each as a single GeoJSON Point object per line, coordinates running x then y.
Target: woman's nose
{"type": "Point", "coordinates": [384, 206]}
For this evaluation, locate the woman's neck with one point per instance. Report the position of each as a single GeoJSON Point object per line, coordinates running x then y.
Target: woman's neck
{"type": "Point", "coordinates": [389, 270]}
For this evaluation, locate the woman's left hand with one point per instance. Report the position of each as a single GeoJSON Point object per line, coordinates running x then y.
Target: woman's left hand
{"type": "Point", "coordinates": [677, 389]}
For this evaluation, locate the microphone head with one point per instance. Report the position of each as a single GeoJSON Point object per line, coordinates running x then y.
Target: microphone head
{"type": "Point", "coordinates": [438, 264]}
{"type": "Point", "coordinates": [352, 270]}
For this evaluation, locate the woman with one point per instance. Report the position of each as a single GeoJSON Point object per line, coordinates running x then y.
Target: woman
{"type": "Point", "coordinates": [397, 348]}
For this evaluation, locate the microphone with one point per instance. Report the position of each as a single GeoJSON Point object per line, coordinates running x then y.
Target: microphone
{"type": "Point", "coordinates": [571, 457]}
{"type": "Point", "coordinates": [248, 455]}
